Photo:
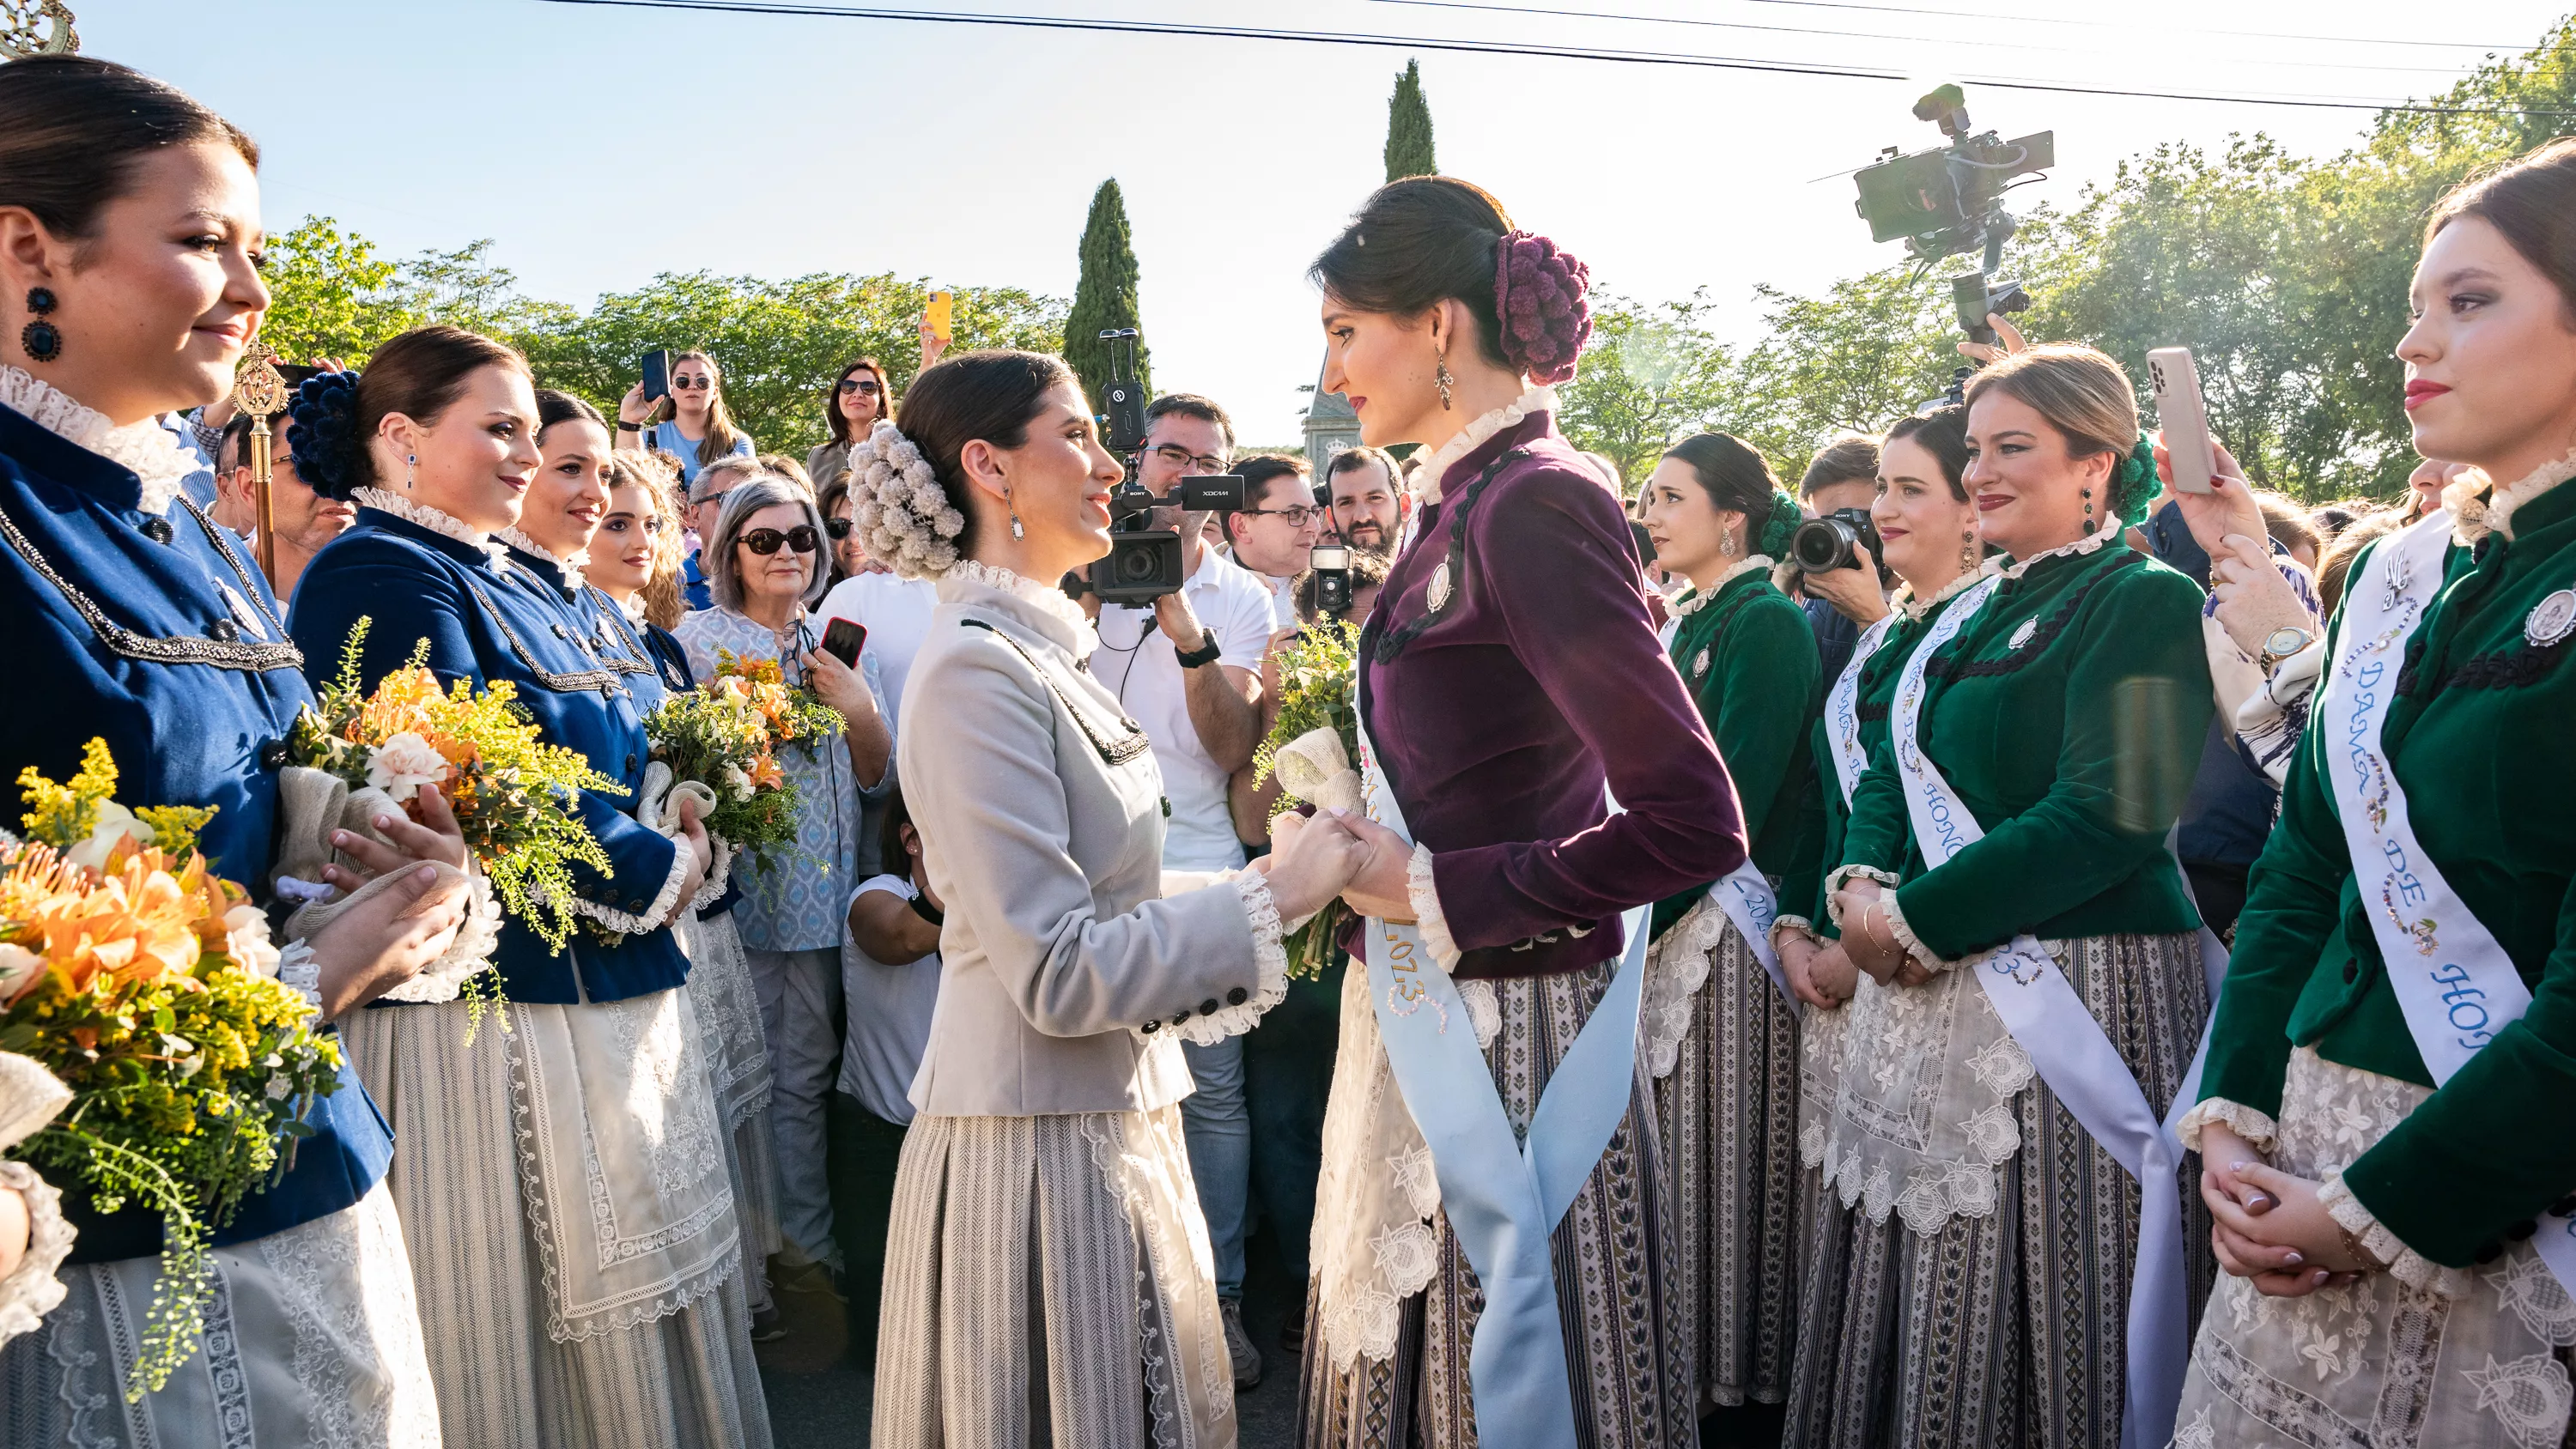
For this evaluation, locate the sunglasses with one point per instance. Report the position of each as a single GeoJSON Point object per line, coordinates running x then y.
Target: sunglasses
{"type": "Point", "coordinates": [692, 384]}
{"type": "Point", "coordinates": [765, 541]}
{"type": "Point", "coordinates": [839, 527]}
{"type": "Point", "coordinates": [866, 385]}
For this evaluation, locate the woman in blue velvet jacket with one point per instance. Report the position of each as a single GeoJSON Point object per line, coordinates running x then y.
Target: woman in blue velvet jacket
{"type": "Point", "coordinates": [563, 1185]}
{"type": "Point", "coordinates": [129, 225]}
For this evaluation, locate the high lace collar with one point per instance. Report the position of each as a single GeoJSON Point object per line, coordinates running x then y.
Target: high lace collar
{"type": "Point", "coordinates": [436, 520]}
{"type": "Point", "coordinates": [570, 568]}
{"type": "Point", "coordinates": [1915, 609]}
{"type": "Point", "coordinates": [2474, 517]}
{"type": "Point", "coordinates": [1044, 599]}
{"type": "Point", "coordinates": [632, 606]}
{"type": "Point", "coordinates": [1426, 482]}
{"type": "Point", "coordinates": [2090, 543]}
{"type": "Point", "coordinates": [152, 452]}
{"type": "Point", "coordinates": [1701, 598]}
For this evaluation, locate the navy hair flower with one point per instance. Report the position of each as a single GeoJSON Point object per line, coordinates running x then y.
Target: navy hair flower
{"type": "Point", "coordinates": [322, 436]}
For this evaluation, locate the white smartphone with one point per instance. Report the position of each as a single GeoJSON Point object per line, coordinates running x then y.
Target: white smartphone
{"type": "Point", "coordinates": [2183, 418]}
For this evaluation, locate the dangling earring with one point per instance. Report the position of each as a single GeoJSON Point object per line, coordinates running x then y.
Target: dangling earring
{"type": "Point", "coordinates": [1440, 377]}
{"type": "Point", "coordinates": [411, 467]}
{"type": "Point", "coordinates": [2088, 508]}
{"type": "Point", "coordinates": [1017, 531]}
{"type": "Point", "coordinates": [1726, 540]}
{"type": "Point", "coordinates": [42, 339]}
{"type": "Point", "coordinates": [1968, 552]}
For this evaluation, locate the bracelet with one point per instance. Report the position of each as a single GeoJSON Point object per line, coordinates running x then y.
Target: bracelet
{"type": "Point", "coordinates": [1876, 905]}
{"type": "Point", "coordinates": [624, 426]}
{"type": "Point", "coordinates": [2360, 1253]}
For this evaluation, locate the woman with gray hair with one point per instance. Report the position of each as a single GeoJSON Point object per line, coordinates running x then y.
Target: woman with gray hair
{"type": "Point", "coordinates": [765, 566]}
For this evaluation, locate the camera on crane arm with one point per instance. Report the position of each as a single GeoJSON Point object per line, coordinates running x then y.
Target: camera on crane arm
{"type": "Point", "coordinates": [1948, 201]}
{"type": "Point", "coordinates": [1144, 562]}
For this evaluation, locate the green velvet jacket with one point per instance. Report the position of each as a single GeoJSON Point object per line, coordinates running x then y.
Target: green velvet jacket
{"type": "Point", "coordinates": [1749, 660]}
{"type": "Point", "coordinates": [2478, 738]}
{"type": "Point", "coordinates": [1877, 686]}
{"type": "Point", "coordinates": [2069, 716]}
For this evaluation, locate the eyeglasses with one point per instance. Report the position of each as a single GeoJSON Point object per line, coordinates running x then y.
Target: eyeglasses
{"type": "Point", "coordinates": [838, 527]}
{"type": "Point", "coordinates": [765, 541]}
{"type": "Point", "coordinates": [1180, 457]}
{"type": "Point", "coordinates": [866, 385]}
{"type": "Point", "coordinates": [1298, 516]}
{"type": "Point", "coordinates": [685, 383]}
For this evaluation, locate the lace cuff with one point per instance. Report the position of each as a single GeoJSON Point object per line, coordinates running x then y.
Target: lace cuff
{"type": "Point", "coordinates": [2259, 1130]}
{"type": "Point", "coordinates": [719, 873]}
{"type": "Point", "coordinates": [2405, 1264]}
{"type": "Point", "coordinates": [653, 916]}
{"type": "Point", "coordinates": [1270, 961]}
{"type": "Point", "coordinates": [1798, 926]}
{"type": "Point", "coordinates": [297, 969]}
{"type": "Point", "coordinates": [1427, 915]}
{"type": "Point", "coordinates": [31, 1292]}
{"type": "Point", "coordinates": [1894, 915]}
{"type": "Point", "coordinates": [476, 939]}
{"type": "Point", "coordinates": [1843, 875]}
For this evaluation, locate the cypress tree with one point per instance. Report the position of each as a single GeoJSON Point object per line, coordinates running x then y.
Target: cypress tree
{"type": "Point", "coordinates": [1408, 128]}
{"type": "Point", "coordinates": [1105, 296]}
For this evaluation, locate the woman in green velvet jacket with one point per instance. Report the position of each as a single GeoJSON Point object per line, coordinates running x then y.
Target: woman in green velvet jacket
{"type": "Point", "coordinates": [2378, 1219]}
{"type": "Point", "coordinates": [2063, 701]}
{"type": "Point", "coordinates": [1928, 533]}
{"type": "Point", "coordinates": [1719, 1034]}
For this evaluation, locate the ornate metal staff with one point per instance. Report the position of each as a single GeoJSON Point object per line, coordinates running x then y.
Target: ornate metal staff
{"type": "Point", "coordinates": [259, 390]}
{"type": "Point", "coordinates": [19, 37]}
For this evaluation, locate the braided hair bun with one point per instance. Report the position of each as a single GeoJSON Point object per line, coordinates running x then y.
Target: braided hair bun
{"type": "Point", "coordinates": [1430, 239]}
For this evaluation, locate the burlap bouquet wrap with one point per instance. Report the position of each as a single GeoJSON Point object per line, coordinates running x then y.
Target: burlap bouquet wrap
{"type": "Point", "coordinates": [1316, 769]}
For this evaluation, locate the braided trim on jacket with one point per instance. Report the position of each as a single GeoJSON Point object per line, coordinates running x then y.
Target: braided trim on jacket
{"type": "Point", "coordinates": [1394, 640]}
{"type": "Point", "coordinates": [1947, 667]}
{"type": "Point", "coordinates": [2517, 668]}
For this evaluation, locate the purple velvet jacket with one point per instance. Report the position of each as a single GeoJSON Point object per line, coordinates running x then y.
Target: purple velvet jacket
{"type": "Point", "coordinates": [1496, 715]}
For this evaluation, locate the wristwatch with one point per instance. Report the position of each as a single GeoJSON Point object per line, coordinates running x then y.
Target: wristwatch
{"type": "Point", "coordinates": [624, 426]}
{"type": "Point", "coordinates": [1206, 653]}
{"type": "Point", "coordinates": [2280, 644]}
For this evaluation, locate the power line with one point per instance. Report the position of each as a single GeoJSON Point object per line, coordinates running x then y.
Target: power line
{"type": "Point", "coordinates": [2452, 71]}
{"type": "Point", "coordinates": [2128, 25]}
{"type": "Point", "coordinates": [1484, 47]}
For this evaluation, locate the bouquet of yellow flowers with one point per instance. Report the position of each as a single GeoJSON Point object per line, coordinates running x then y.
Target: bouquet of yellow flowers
{"type": "Point", "coordinates": [513, 795]}
{"type": "Point", "coordinates": [1312, 749]}
{"type": "Point", "coordinates": [149, 986]}
{"type": "Point", "coordinates": [726, 735]}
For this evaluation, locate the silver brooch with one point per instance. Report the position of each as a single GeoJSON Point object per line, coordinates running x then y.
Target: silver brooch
{"type": "Point", "coordinates": [2551, 620]}
{"type": "Point", "coordinates": [1699, 666]}
{"type": "Point", "coordinates": [1437, 595]}
{"type": "Point", "coordinates": [2022, 635]}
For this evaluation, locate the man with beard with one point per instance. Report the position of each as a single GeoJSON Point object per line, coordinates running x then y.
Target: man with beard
{"type": "Point", "coordinates": [305, 519]}
{"type": "Point", "coordinates": [1368, 499]}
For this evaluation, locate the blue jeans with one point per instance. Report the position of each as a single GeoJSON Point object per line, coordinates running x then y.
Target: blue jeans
{"type": "Point", "coordinates": [1219, 1133]}
{"type": "Point", "coordinates": [1288, 1075]}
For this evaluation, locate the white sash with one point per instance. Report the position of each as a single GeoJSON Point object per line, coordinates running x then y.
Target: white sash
{"type": "Point", "coordinates": [1842, 711]}
{"type": "Point", "coordinates": [2452, 977]}
{"type": "Point", "coordinates": [2073, 1055]}
{"type": "Point", "coordinates": [1502, 1199]}
{"type": "Point", "coordinates": [1751, 906]}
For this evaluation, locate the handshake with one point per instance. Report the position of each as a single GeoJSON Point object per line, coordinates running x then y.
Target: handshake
{"type": "Point", "coordinates": [1337, 852]}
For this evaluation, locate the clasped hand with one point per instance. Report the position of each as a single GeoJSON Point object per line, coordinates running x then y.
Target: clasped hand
{"type": "Point", "coordinates": [1869, 941]}
{"type": "Point", "coordinates": [2267, 1225]}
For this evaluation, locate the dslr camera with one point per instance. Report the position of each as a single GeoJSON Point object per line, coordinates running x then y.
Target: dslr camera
{"type": "Point", "coordinates": [1948, 200]}
{"type": "Point", "coordinates": [1144, 562]}
{"type": "Point", "coordinates": [1833, 542]}
{"type": "Point", "coordinates": [1332, 567]}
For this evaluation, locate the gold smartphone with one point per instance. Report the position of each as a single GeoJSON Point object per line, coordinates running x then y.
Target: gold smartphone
{"type": "Point", "coordinates": [942, 310]}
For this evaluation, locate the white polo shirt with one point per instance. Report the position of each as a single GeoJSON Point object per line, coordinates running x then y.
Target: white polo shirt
{"type": "Point", "coordinates": [896, 614]}
{"type": "Point", "coordinates": [1139, 665]}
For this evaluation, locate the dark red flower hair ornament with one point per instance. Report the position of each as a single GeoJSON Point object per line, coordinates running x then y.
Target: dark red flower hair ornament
{"type": "Point", "coordinates": [1539, 297]}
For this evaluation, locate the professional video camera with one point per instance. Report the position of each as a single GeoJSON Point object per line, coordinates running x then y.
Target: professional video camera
{"type": "Point", "coordinates": [1949, 200]}
{"type": "Point", "coordinates": [1144, 562]}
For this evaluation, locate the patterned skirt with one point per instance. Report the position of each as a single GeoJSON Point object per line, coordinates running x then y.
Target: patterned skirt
{"type": "Point", "coordinates": [312, 1341]}
{"type": "Point", "coordinates": [1728, 1112]}
{"type": "Point", "coordinates": [1048, 1281]}
{"type": "Point", "coordinates": [2422, 1356]}
{"type": "Point", "coordinates": [737, 1057]}
{"type": "Point", "coordinates": [1626, 1342]}
{"type": "Point", "coordinates": [570, 1231]}
{"type": "Point", "coordinates": [2006, 1327]}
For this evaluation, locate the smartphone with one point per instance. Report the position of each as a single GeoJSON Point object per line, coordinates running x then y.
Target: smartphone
{"type": "Point", "coordinates": [2182, 418]}
{"type": "Point", "coordinates": [942, 313]}
{"type": "Point", "coordinates": [843, 639]}
{"type": "Point", "coordinates": [657, 375]}
{"type": "Point", "coordinates": [295, 373]}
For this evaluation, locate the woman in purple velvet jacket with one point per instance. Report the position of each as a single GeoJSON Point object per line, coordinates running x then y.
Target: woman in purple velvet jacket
{"type": "Point", "coordinates": [1508, 674]}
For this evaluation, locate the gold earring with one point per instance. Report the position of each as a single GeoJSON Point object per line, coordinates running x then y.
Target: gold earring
{"type": "Point", "coordinates": [1017, 532]}
{"type": "Point", "coordinates": [1441, 378]}
{"type": "Point", "coordinates": [1968, 552]}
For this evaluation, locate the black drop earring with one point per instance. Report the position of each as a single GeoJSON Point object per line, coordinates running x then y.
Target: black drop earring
{"type": "Point", "coordinates": [2088, 510]}
{"type": "Point", "coordinates": [42, 339]}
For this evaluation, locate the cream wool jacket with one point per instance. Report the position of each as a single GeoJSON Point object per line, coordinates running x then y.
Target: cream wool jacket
{"type": "Point", "coordinates": [1068, 975]}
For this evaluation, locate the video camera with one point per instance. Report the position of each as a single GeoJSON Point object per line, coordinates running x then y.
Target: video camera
{"type": "Point", "coordinates": [1948, 200]}
{"type": "Point", "coordinates": [1144, 562]}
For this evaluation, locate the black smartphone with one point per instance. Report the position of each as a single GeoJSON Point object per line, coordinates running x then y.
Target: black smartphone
{"type": "Point", "coordinates": [295, 373]}
{"type": "Point", "coordinates": [657, 375]}
{"type": "Point", "coordinates": [843, 638]}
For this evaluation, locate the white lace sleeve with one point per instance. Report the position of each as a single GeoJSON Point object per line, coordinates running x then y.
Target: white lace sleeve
{"type": "Point", "coordinates": [2258, 1129]}
{"type": "Point", "coordinates": [655, 915]}
{"type": "Point", "coordinates": [1843, 875]}
{"type": "Point", "coordinates": [1270, 960]}
{"type": "Point", "coordinates": [1786, 926]}
{"type": "Point", "coordinates": [1428, 918]}
{"type": "Point", "coordinates": [2404, 1264]}
{"type": "Point", "coordinates": [31, 1292]}
{"type": "Point", "coordinates": [719, 872]}
{"type": "Point", "coordinates": [297, 968]}
{"type": "Point", "coordinates": [1894, 915]}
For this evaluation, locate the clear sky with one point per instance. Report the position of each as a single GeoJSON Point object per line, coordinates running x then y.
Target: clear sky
{"type": "Point", "coordinates": [598, 146]}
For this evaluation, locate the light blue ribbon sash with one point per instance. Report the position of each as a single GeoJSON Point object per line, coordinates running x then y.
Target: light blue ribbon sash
{"type": "Point", "coordinates": [1502, 1199]}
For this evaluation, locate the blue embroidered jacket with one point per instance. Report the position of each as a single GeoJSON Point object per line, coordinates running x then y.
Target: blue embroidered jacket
{"type": "Point", "coordinates": [155, 634]}
{"type": "Point", "coordinates": [484, 624]}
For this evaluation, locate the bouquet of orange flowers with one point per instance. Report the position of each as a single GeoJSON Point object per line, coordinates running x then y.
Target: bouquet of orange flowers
{"type": "Point", "coordinates": [149, 986]}
{"type": "Point", "coordinates": [726, 735]}
{"type": "Point", "coordinates": [513, 795]}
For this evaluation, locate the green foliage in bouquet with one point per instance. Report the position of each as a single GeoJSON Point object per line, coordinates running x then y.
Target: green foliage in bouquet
{"type": "Point", "coordinates": [726, 735]}
{"type": "Point", "coordinates": [1318, 689]}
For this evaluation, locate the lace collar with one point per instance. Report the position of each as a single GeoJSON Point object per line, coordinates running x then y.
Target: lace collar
{"type": "Point", "coordinates": [150, 451]}
{"type": "Point", "coordinates": [2473, 517]}
{"type": "Point", "coordinates": [438, 521]}
{"type": "Point", "coordinates": [2087, 544]}
{"type": "Point", "coordinates": [1701, 598]}
{"type": "Point", "coordinates": [570, 568]}
{"type": "Point", "coordinates": [1045, 599]}
{"type": "Point", "coordinates": [1426, 482]}
{"type": "Point", "coordinates": [1917, 609]}
{"type": "Point", "coordinates": [632, 606]}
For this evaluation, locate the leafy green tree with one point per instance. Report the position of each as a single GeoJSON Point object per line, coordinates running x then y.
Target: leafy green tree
{"type": "Point", "coordinates": [1408, 128]}
{"type": "Point", "coordinates": [1870, 350]}
{"type": "Point", "coordinates": [1104, 296]}
{"type": "Point", "coordinates": [331, 294]}
{"type": "Point", "coordinates": [1653, 374]}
